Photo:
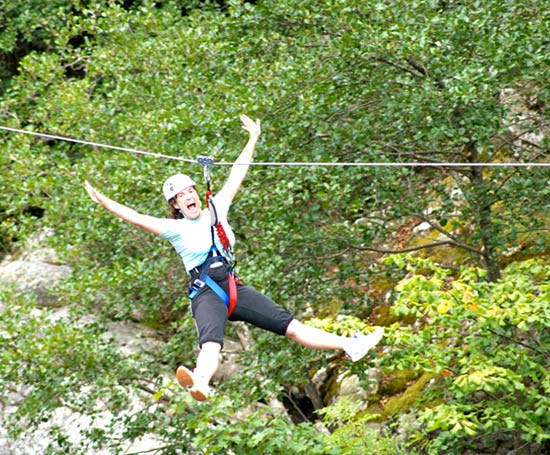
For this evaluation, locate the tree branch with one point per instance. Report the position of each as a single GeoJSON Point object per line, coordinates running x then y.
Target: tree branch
{"type": "Point", "coordinates": [415, 248]}
{"type": "Point", "coordinates": [525, 345]}
{"type": "Point", "coordinates": [422, 69]}
{"type": "Point", "coordinates": [454, 241]}
{"type": "Point", "coordinates": [395, 65]}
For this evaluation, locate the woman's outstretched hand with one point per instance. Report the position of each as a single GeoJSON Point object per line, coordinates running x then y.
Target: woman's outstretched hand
{"type": "Point", "coordinates": [149, 223]}
{"type": "Point", "coordinates": [253, 127]}
{"type": "Point", "coordinates": [94, 194]}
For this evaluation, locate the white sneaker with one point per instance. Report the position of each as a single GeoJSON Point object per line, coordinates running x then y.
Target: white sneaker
{"type": "Point", "coordinates": [358, 346]}
{"type": "Point", "coordinates": [188, 380]}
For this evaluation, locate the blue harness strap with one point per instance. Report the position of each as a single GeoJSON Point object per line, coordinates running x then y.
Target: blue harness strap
{"type": "Point", "coordinates": [205, 279]}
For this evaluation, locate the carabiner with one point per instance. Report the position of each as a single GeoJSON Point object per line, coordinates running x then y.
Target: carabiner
{"type": "Point", "coordinates": [206, 162]}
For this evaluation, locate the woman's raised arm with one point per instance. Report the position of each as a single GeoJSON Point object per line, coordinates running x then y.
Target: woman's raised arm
{"type": "Point", "coordinates": [241, 165]}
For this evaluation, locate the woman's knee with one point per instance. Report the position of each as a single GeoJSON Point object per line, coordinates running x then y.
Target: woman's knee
{"type": "Point", "coordinates": [293, 329]}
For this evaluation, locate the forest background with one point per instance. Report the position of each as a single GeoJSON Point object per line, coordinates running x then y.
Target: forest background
{"type": "Point", "coordinates": [466, 304]}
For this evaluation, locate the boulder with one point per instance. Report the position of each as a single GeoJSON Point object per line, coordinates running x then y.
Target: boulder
{"type": "Point", "coordinates": [35, 270]}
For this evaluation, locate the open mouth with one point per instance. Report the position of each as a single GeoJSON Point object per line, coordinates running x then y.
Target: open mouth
{"type": "Point", "coordinates": [191, 206]}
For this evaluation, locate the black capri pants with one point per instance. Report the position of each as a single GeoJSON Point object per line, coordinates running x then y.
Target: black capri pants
{"type": "Point", "coordinates": [210, 312]}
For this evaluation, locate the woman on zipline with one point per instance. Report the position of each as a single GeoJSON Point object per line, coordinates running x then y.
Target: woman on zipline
{"type": "Point", "coordinates": [191, 232]}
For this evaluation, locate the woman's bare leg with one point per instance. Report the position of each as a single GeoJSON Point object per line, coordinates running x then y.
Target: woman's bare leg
{"type": "Point", "coordinates": [207, 362]}
{"type": "Point", "coordinates": [314, 338]}
{"type": "Point", "coordinates": [355, 347]}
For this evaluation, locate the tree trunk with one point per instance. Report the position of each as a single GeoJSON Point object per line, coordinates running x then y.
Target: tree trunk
{"type": "Point", "coordinates": [482, 209]}
{"type": "Point", "coordinates": [490, 255]}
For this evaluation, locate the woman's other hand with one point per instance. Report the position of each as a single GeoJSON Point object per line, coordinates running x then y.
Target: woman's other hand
{"type": "Point", "coordinates": [94, 194]}
{"type": "Point", "coordinates": [253, 127]}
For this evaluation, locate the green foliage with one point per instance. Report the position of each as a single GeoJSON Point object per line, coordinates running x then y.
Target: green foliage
{"type": "Point", "coordinates": [356, 89]}
{"type": "Point", "coordinates": [488, 342]}
{"type": "Point", "coordinates": [332, 81]}
{"type": "Point", "coordinates": [55, 363]}
{"type": "Point", "coordinates": [342, 325]}
{"type": "Point", "coordinates": [354, 436]}
{"type": "Point", "coordinates": [257, 434]}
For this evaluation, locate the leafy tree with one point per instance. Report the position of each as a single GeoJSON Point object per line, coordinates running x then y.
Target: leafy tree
{"type": "Point", "coordinates": [427, 81]}
{"type": "Point", "coordinates": [332, 81]}
{"type": "Point", "coordinates": [486, 344]}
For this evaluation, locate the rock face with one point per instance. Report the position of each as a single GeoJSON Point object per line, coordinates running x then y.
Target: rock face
{"type": "Point", "coordinates": [35, 270]}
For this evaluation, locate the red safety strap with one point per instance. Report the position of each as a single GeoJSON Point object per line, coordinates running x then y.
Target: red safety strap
{"type": "Point", "coordinates": [208, 196]}
{"type": "Point", "coordinates": [219, 227]}
{"type": "Point", "coordinates": [223, 237]}
{"type": "Point", "coordinates": [232, 294]}
{"type": "Point", "coordinates": [233, 280]}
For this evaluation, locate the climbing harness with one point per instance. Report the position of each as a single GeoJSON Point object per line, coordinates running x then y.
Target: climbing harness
{"type": "Point", "coordinates": [226, 257]}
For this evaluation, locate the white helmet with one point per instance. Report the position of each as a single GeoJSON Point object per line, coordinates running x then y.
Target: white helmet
{"type": "Point", "coordinates": [175, 184]}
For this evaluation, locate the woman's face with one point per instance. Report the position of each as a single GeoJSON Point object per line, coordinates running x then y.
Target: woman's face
{"type": "Point", "coordinates": [189, 203]}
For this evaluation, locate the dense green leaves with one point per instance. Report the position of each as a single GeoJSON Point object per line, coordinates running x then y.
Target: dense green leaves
{"type": "Point", "coordinates": [332, 81]}
{"type": "Point", "coordinates": [488, 343]}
